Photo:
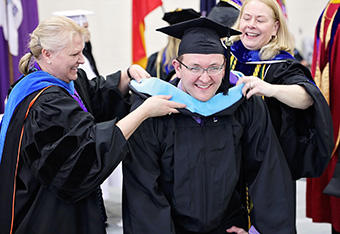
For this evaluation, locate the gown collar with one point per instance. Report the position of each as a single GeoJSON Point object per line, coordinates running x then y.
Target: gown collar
{"type": "Point", "coordinates": [244, 55]}
{"type": "Point", "coordinates": [218, 103]}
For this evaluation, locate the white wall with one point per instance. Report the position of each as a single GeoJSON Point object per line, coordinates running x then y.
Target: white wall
{"type": "Point", "coordinates": [110, 26]}
{"type": "Point", "coordinates": [302, 18]}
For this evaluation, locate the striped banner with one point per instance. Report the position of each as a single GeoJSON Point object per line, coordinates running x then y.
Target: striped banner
{"type": "Point", "coordinates": [140, 9]}
{"type": "Point", "coordinates": [18, 18]}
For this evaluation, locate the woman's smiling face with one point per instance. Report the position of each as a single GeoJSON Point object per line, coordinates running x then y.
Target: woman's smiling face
{"type": "Point", "coordinates": [257, 24]}
{"type": "Point", "coordinates": [66, 61]}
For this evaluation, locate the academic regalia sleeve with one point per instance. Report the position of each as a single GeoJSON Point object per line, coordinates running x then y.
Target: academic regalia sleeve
{"type": "Point", "coordinates": [306, 136]}
{"type": "Point", "coordinates": [266, 172]}
{"type": "Point", "coordinates": [66, 150]}
{"type": "Point", "coordinates": [141, 191]}
{"type": "Point", "coordinates": [102, 96]}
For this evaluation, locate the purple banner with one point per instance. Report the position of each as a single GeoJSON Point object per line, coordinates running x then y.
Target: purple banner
{"type": "Point", "coordinates": [9, 71]}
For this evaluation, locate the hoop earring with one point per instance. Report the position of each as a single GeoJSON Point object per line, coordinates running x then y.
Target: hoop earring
{"type": "Point", "coordinates": [274, 37]}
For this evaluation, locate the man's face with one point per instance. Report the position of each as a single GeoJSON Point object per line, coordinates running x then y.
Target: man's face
{"type": "Point", "coordinates": [201, 86]}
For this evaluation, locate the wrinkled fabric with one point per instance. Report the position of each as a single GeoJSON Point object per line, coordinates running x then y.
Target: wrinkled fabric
{"type": "Point", "coordinates": [182, 177]}
{"type": "Point", "coordinates": [65, 155]}
{"type": "Point", "coordinates": [306, 136]}
{"type": "Point", "coordinates": [155, 86]}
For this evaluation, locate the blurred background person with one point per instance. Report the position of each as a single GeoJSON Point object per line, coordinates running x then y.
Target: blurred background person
{"type": "Point", "coordinates": [226, 12]}
{"type": "Point", "coordinates": [325, 69]}
{"type": "Point", "coordinates": [298, 56]}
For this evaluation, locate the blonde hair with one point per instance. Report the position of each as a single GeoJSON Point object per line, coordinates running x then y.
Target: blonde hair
{"type": "Point", "coordinates": [283, 41]}
{"type": "Point", "coordinates": [171, 51]}
{"type": "Point", "coordinates": [52, 34]}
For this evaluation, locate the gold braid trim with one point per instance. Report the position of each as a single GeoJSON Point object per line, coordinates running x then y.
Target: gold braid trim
{"type": "Point", "coordinates": [256, 70]}
{"type": "Point", "coordinates": [249, 206]}
{"type": "Point", "coordinates": [233, 61]}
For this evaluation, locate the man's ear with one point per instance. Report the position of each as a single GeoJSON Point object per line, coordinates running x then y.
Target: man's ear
{"type": "Point", "coordinates": [177, 67]}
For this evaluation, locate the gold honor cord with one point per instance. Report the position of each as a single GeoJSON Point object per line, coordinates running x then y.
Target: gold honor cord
{"type": "Point", "coordinates": [249, 206]}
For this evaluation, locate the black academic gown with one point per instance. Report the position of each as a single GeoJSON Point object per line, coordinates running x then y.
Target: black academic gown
{"type": "Point", "coordinates": [306, 136]}
{"type": "Point", "coordinates": [182, 176]}
{"type": "Point", "coordinates": [65, 156]}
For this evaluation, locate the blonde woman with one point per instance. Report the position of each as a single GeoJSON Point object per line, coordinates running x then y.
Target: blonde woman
{"type": "Point", "coordinates": [299, 112]}
{"type": "Point", "coordinates": [62, 135]}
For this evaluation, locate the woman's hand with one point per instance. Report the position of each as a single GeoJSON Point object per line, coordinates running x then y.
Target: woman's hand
{"type": "Point", "coordinates": [151, 107]}
{"type": "Point", "coordinates": [256, 86]}
{"type": "Point", "coordinates": [292, 95]}
{"type": "Point", "coordinates": [160, 105]}
{"type": "Point", "coordinates": [237, 230]}
{"type": "Point", "coordinates": [133, 72]}
{"type": "Point", "coordinates": [138, 73]}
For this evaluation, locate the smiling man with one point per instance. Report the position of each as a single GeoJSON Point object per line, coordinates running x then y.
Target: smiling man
{"type": "Point", "coordinates": [190, 172]}
{"type": "Point", "coordinates": [202, 83]}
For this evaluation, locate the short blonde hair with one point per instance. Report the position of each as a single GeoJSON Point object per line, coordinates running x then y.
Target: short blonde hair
{"type": "Point", "coordinates": [52, 34]}
{"type": "Point", "coordinates": [283, 42]}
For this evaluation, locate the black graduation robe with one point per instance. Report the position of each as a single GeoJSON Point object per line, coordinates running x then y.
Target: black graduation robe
{"type": "Point", "coordinates": [182, 177]}
{"type": "Point", "coordinates": [65, 155]}
{"type": "Point", "coordinates": [306, 136]}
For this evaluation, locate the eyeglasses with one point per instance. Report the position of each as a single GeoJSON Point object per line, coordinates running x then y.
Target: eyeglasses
{"type": "Point", "coordinates": [198, 71]}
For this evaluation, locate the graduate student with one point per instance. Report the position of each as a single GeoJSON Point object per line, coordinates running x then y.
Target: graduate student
{"type": "Point", "coordinates": [192, 172]}
{"type": "Point", "coordinates": [62, 135]}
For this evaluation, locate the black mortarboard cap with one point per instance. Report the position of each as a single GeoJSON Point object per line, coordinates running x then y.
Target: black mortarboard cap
{"type": "Point", "coordinates": [226, 15]}
{"type": "Point", "coordinates": [202, 36]}
{"type": "Point", "coordinates": [180, 15]}
{"type": "Point", "coordinates": [199, 36]}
